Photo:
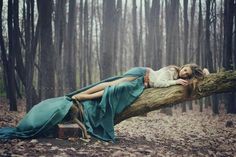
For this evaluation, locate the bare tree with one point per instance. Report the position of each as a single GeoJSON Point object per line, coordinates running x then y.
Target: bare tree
{"type": "Point", "coordinates": [90, 54]}
{"type": "Point", "coordinates": [69, 63]}
{"type": "Point", "coordinates": [4, 56]}
{"type": "Point", "coordinates": [191, 38]}
{"type": "Point", "coordinates": [123, 37]}
{"type": "Point", "coordinates": [11, 59]}
{"type": "Point", "coordinates": [86, 67]}
{"type": "Point", "coordinates": [60, 22]}
{"type": "Point", "coordinates": [186, 29]}
{"type": "Point", "coordinates": [227, 47]}
{"type": "Point", "coordinates": [135, 34]}
{"type": "Point", "coordinates": [31, 41]}
{"type": "Point", "coordinates": [46, 73]}
{"type": "Point", "coordinates": [81, 46]}
{"type": "Point", "coordinates": [117, 35]}
{"type": "Point", "coordinates": [107, 38]}
{"type": "Point", "coordinates": [172, 31]}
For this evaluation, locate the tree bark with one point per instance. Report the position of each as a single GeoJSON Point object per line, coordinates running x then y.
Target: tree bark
{"type": "Point", "coordinates": [172, 31]}
{"type": "Point", "coordinates": [199, 38]}
{"type": "Point", "coordinates": [140, 42]}
{"type": "Point", "coordinates": [122, 38]}
{"type": "Point", "coordinates": [192, 35]}
{"type": "Point", "coordinates": [90, 55]}
{"type": "Point", "coordinates": [46, 77]}
{"type": "Point", "coordinates": [155, 98]}
{"type": "Point", "coordinates": [81, 46]}
{"type": "Point", "coordinates": [154, 34]}
{"type": "Point", "coordinates": [107, 38]}
{"type": "Point", "coordinates": [69, 64]}
{"type": "Point", "coordinates": [11, 59]}
{"type": "Point", "coordinates": [135, 34]}
{"type": "Point", "coordinates": [86, 58]}
{"type": "Point", "coordinates": [117, 27]}
{"type": "Point", "coordinates": [4, 54]}
{"type": "Point", "coordinates": [227, 49]}
{"type": "Point", "coordinates": [186, 27]}
{"type": "Point", "coordinates": [59, 25]}
{"type": "Point", "coordinates": [208, 53]}
{"type": "Point", "coordinates": [31, 41]}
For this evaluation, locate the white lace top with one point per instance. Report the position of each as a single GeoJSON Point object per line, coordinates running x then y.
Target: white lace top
{"type": "Point", "coordinates": [164, 77]}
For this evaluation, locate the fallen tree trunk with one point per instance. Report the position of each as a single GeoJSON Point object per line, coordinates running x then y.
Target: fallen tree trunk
{"type": "Point", "coordinates": [155, 98]}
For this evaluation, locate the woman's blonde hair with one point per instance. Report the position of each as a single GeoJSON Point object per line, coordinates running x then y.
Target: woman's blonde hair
{"type": "Point", "coordinates": [197, 71]}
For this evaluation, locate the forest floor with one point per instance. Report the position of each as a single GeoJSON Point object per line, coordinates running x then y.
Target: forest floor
{"type": "Point", "coordinates": [192, 133]}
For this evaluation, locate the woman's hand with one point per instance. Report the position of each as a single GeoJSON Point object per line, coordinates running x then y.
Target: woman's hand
{"type": "Point", "coordinates": [182, 82]}
{"type": "Point", "coordinates": [206, 71]}
{"type": "Point", "coordinates": [76, 97]}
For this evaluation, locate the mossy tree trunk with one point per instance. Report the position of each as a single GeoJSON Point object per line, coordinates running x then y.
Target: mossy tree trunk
{"type": "Point", "coordinates": [155, 98]}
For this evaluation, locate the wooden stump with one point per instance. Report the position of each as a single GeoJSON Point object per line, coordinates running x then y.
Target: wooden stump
{"type": "Point", "coordinates": [65, 131]}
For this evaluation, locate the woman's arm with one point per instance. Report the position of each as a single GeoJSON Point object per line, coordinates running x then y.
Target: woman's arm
{"type": "Point", "coordinates": [167, 83]}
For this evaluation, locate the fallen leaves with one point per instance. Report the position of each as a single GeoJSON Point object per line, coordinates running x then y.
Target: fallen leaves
{"type": "Point", "coordinates": [183, 134]}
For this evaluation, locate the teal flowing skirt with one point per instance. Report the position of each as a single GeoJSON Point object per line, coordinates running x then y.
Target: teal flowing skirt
{"type": "Point", "coordinates": [98, 113]}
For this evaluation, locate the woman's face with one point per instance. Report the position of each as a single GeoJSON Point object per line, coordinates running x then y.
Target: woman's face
{"type": "Point", "coordinates": [185, 72]}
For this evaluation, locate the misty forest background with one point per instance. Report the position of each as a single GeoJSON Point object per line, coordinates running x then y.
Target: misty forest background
{"type": "Point", "coordinates": [52, 47]}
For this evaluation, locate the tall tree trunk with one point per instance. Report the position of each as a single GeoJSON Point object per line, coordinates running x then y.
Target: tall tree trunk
{"type": "Point", "coordinates": [140, 42]}
{"type": "Point", "coordinates": [11, 59]}
{"type": "Point", "coordinates": [31, 39]}
{"type": "Point", "coordinates": [186, 27]}
{"type": "Point", "coordinates": [172, 31]}
{"type": "Point", "coordinates": [86, 43]}
{"type": "Point", "coordinates": [46, 75]}
{"type": "Point", "coordinates": [20, 68]}
{"type": "Point", "coordinates": [162, 36]}
{"type": "Point", "coordinates": [69, 53]}
{"type": "Point", "coordinates": [154, 34]}
{"type": "Point", "coordinates": [135, 34]}
{"type": "Point", "coordinates": [81, 46]}
{"type": "Point", "coordinates": [90, 69]}
{"type": "Point", "coordinates": [97, 26]}
{"type": "Point", "coordinates": [117, 27]}
{"type": "Point", "coordinates": [148, 54]}
{"type": "Point", "coordinates": [60, 21]}
{"type": "Point", "coordinates": [208, 52]}
{"type": "Point", "coordinates": [191, 38]}
{"type": "Point", "coordinates": [199, 38]}
{"type": "Point", "coordinates": [4, 56]}
{"type": "Point", "coordinates": [234, 51]}
{"type": "Point", "coordinates": [123, 37]}
{"type": "Point", "coordinates": [227, 56]}
{"type": "Point", "coordinates": [221, 35]}
{"type": "Point", "coordinates": [215, 104]}
{"type": "Point", "coordinates": [215, 53]}
{"type": "Point", "coordinates": [107, 38]}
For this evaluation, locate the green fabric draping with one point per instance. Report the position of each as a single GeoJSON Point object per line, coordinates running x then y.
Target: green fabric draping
{"type": "Point", "coordinates": [98, 113]}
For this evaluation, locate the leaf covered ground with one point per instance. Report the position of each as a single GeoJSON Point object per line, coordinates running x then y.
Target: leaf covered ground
{"type": "Point", "coordinates": [192, 133]}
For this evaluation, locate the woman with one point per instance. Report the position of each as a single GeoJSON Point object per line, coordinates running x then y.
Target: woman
{"type": "Point", "coordinates": [167, 76]}
{"type": "Point", "coordinates": [101, 101]}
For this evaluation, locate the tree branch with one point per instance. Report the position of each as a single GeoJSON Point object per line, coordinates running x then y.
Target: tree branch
{"type": "Point", "coordinates": [155, 98]}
